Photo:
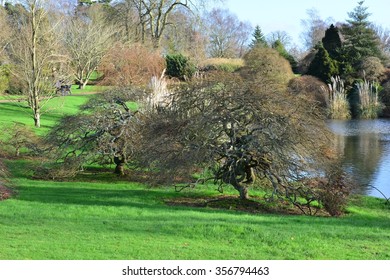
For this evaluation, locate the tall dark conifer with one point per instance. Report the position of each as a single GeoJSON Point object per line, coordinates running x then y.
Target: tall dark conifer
{"type": "Point", "coordinates": [332, 42]}
{"type": "Point", "coordinates": [360, 39]}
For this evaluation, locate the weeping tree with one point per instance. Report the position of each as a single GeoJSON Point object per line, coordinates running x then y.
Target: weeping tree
{"type": "Point", "coordinates": [105, 132]}
{"type": "Point", "coordinates": [236, 130]}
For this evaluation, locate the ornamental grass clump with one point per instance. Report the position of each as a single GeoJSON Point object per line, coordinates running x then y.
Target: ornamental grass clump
{"type": "Point", "coordinates": [159, 91]}
{"type": "Point", "coordinates": [338, 107]}
{"type": "Point", "coordinates": [369, 104]}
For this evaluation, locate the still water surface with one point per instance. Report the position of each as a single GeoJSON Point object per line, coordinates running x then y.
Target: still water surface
{"type": "Point", "coordinates": [365, 145]}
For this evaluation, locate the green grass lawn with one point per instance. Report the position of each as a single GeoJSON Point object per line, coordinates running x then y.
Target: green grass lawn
{"type": "Point", "coordinates": [88, 89]}
{"type": "Point", "coordinates": [52, 112]}
{"type": "Point", "coordinates": [110, 219]}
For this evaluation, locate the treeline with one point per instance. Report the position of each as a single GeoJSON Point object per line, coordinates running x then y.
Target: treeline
{"type": "Point", "coordinates": [45, 43]}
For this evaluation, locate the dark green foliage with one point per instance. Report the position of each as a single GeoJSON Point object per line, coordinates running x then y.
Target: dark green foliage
{"type": "Point", "coordinates": [332, 42]}
{"type": "Point", "coordinates": [258, 38]}
{"type": "Point", "coordinates": [179, 66]}
{"type": "Point", "coordinates": [278, 45]}
{"type": "Point", "coordinates": [360, 39]}
{"type": "Point", "coordinates": [323, 66]}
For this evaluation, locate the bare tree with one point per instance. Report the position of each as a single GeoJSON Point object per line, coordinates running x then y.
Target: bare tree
{"type": "Point", "coordinates": [35, 53]}
{"type": "Point", "coordinates": [384, 36]}
{"type": "Point", "coordinates": [227, 34]}
{"type": "Point", "coordinates": [128, 20]}
{"type": "Point", "coordinates": [314, 28]}
{"type": "Point", "coordinates": [187, 35]}
{"type": "Point", "coordinates": [5, 33]}
{"type": "Point", "coordinates": [153, 16]}
{"type": "Point", "coordinates": [87, 39]}
{"type": "Point", "coordinates": [281, 36]}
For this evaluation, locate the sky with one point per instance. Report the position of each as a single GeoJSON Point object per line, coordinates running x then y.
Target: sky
{"type": "Point", "coordinates": [286, 15]}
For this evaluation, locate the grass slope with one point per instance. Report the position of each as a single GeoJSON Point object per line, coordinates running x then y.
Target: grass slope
{"type": "Point", "coordinates": [52, 112]}
{"type": "Point", "coordinates": [110, 219]}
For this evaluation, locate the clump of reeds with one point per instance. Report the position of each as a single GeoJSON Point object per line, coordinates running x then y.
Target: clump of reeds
{"type": "Point", "coordinates": [338, 107]}
{"type": "Point", "coordinates": [369, 103]}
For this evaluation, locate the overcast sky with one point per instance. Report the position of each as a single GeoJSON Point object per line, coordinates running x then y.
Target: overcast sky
{"type": "Point", "coordinates": [272, 15]}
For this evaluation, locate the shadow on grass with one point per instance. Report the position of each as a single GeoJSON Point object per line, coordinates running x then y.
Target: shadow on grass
{"type": "Point", "coordinates": [88, 196]}
{"type": "Point", "coordinates": [153, 199]}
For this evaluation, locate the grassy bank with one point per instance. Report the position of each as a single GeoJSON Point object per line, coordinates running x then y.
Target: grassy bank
{"type": "Point", "coordinates": [106, 218]}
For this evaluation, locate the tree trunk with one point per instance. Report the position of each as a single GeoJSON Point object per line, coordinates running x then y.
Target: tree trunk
{"type": "Point", "coordinates": [120, 169]}
{"type": "Point", "coordinates": [36, 112]}
{"type": "Point", "coordinates": [120, 166]}
{"type": "Point", "coordinates": [243, 190]}
{"type": "Point", "coordinates": [82, 84]}
{"type": "Point", "coordinates": [37, 119]}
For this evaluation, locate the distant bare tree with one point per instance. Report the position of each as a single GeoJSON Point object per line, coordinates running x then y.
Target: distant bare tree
{"type": "Point", "coordinates": [87, 40]}
{"type": "Point", "coordinates": [281, 36]}
{"type": "Point", "coordinates": [187, 35]}
{"type": "Point", "coordinates": [128, 20]}
{"type": "Point", "coordinates": [314, 28]}
{"type": "Point", "coordinates": [152, 17]}
{"type": "Point", "coordinates": [228, 35]}
{"type": "Point", "coordinates": [384, 37]}
{"type": "Point", "coordinates": [5, 32]}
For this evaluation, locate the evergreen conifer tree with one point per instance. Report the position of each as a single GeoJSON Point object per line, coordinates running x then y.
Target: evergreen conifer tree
{"type": "Point", "coordinates": [258, 38]}
{"type": "Point", "coordinates": [278, 45]}
{"type": "Point", "coordinates": [332, 42]}
{"type": "Point", "coordinates": [360, 39]}
{"type": "Point", "coordinates": [323, 66]}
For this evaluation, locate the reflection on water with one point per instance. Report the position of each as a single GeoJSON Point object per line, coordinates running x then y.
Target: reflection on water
{"type": "Point", "coordinates": [365, 145]}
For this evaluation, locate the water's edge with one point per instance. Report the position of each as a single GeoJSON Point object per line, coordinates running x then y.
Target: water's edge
{"type": "Point", "coordinates": [365, 147]}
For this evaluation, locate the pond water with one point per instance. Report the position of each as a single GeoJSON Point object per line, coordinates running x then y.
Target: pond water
{"type": "Point", "coordinates": [365, 145]}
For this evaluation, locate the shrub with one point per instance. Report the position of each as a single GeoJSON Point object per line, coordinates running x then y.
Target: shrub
{"type": "Point", "coordinates": [222, 64]}
{"type": "Point", "coordinates": [371, 68]}
{"type": "Point", "coordinates": [179, 66]}
{"type": "Point", "coordinates": [310, 87]}
{"type": "Point", "coordinates": [267, 65]}
{"type": "Point", "coordinates": [20, 137]}
{"type": "Point", "coordinates": [385, 98]}
{"type": "Point", "coordinates": [334, 193]}
{"type": "Point", "coordinates": [126, 65]}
